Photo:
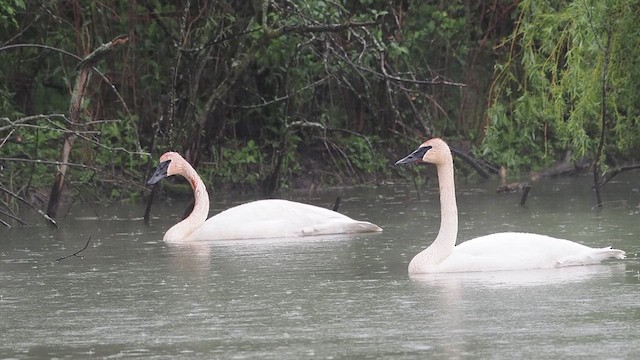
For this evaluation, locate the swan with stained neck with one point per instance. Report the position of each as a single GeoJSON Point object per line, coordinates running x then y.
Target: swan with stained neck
{"type": "Point", "coordinates": [499, 251]}
{"type": "Point", "coordinates": [255, 220]}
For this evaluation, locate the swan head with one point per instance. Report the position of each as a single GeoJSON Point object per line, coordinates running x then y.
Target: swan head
{"type": "Point", "coordinates": [169, 165]}
{"type": "Point", "coordinates": [433, 151]}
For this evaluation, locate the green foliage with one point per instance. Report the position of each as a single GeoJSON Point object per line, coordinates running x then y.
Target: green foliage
{"type": "Point", "coordinates": [547, 96]}
{"type": "Point", "coordinates": [112, 136]}
{"type": "Point", "coordinates": [362, 155]}
{"type": "Point", "coordinates": [513, 144]}
{"type": "Point", "coordinates": [33, 143]}
{"type": "Point", "coordinates": [240, 165]}
{"type": "Point", "coordinates": [9, 10]}
{"type": "Point", "coordinates": [225, 82]}
{"type": "Point", "coordinates": [435, 27]}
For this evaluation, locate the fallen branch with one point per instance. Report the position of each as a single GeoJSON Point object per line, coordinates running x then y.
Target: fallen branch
{"type": "Point", "coordinates": [45, 216]}
{"type": "Point", "coordinates": [478, 165]}
{"type": "Point", "coordinates": [22, 222]}
{"type": "Point", "coordinates": [77, 252]}
{"type": "Point", "coordinates": [610, 174]}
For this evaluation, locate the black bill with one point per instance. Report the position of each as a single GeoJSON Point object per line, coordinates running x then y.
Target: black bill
{"type": "Point", "coordinates": [160, 173]}
{"type": "Point", "coordinates": [414, 157]}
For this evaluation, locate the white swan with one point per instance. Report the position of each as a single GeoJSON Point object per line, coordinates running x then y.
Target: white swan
{"type": "Point", "coordinates": [254, 220]}
{"type": "Point", "coordinates": [500, 251]}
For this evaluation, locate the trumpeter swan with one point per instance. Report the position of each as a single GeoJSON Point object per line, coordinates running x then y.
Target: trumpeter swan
{"type": "Point", "coordinates": [255, 220]}
{"type": "Point", "coordinates": [500, 251]}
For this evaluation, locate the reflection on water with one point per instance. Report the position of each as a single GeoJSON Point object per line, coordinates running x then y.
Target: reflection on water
{"type": "Point", "coordinates": [323, 297]}
{"type": "Point", "coordinates": [527, 278]}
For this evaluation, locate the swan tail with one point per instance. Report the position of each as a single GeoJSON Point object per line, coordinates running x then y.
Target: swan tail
{"type": "Point", "coordinates": [615, 253]}
{"type": "Point", "coordinates": [340, 227]}
{"type": "Point", "coordinates": [365, 227]}
{"type": "Point", "coordinates": [594, 256]}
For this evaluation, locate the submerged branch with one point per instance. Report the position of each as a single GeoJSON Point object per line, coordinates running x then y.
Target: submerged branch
{"type": "Point", "coordinates": [610, 174]}
{"type": "Point", "coordinates": [77, 252]}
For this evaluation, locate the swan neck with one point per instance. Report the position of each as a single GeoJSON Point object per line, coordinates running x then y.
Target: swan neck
{"type": "Point", "coordinates": [445, 242]}
{"type": "Point", "coordinates": [200, 211]}
{"type": "Point", "coordinates": [449, 207]}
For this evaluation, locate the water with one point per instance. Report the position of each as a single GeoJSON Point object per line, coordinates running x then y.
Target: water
{"type": "Point", "coordinates": [334, 297]}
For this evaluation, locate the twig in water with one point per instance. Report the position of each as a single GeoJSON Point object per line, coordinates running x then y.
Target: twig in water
{"type": "Point", "coordinates": [615, 204]}
{"type": "Point", "coordinates": [77, 252]}
{"type": "Point", "coordinates": [336, 205]}
{"type": "Point", "coordinates": [525, 192]}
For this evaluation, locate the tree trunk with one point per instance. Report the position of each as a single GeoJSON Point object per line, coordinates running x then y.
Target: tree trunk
{"type": "Point", "coordinates": [75, 106]}
{"type": "Point", "coordinates": [69, 139]}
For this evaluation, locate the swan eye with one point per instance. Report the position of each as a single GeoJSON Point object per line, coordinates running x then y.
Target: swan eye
{"type": "Point", "coordinates": [160, 173]}
{"type": "Point", "coordinates": [415, 156]}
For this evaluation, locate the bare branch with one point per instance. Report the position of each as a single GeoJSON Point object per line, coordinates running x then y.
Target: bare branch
{"type": "Point", "coordinates": [303, 29]}
{"type": "Point", "coordinates": [77, 252]}
{"type": "Point", "coordinates": [306, 124]}
{"type": "Point", "coordinates": [49, 162]}
{"type": "Point", "coordinates": [102, 50]}
{"type": "Point", "coordinates": [102, 76]}
{"type": "Point", "coordinates": [4, 141]}
{"type": "Point", "coordinates": [13, 217]}
{"type": "Point", "coordinates": [610, 174]}
{"type": "Point", "coordinates": [46, 47]}
{"type": "Point", "coordinates": [282, 98]}
{"type": "Point", "coordinates": [23, 120]}
{"type": "Point", "coordinates": [45, 216]}
{"type": "Point", "coordinates": [80, 133]}
{"type": "Point", "coordinates": [59, 163]}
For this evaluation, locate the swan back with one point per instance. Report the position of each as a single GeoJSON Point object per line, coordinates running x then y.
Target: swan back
{"type": "Point", "coordinates": [278, 218]}
{"type": "Point", "coordinates": [516, 251]}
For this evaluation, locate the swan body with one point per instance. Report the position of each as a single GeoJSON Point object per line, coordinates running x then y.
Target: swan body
{"type": "Point", "coordinates": [277, 218]}
{"type": "Point", "coordinates": [255, 220]}
{"type": "Point", "coordinates": [499, 251]}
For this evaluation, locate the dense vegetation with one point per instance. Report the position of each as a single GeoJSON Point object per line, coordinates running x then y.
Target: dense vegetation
{"type": "Point", "coordinates": [265, 95]}
{"type": "Point", "coordinates": [566, 84]}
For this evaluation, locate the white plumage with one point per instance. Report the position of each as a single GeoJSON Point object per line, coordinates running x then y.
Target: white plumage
{"type": "Point", "coordinates": [500, 251]}
{"type": "Point", "coordinates": [255, 220]}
